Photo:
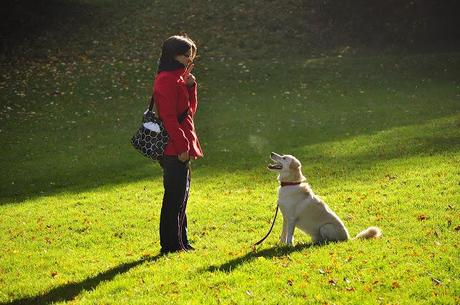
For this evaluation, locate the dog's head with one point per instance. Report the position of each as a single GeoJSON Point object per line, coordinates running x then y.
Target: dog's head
{"type": "Point", "coordinates": [288, 167]}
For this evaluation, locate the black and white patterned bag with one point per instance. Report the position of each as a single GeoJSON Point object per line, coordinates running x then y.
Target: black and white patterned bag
{"type": "Point", "coordinates": [151, 137]}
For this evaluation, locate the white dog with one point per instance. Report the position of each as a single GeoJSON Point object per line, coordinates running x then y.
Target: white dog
{"type": "Point", "coordinates": [301, 208]}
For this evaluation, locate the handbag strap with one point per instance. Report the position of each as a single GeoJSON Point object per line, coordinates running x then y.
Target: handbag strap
{"type": "Point", "coordinates": [181, 118]}
{"type": "Point", "coordinates": [152, 103]}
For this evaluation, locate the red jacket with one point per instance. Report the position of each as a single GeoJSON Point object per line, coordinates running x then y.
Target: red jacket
{"type": "Point", "coordinates": [172, 97]}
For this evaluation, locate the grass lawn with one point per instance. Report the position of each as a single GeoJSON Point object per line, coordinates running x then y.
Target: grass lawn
{"type": "Point", "coordinates": [378, 136]}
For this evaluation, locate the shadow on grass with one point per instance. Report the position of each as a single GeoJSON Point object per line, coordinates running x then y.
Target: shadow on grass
{"type": "Point", "coordinates": [49, 179]}
{"type": "Point", "coordinates": [100, 161]}
{"type": "Point", "coordinates": [28, 21]}
{"type": "Point", "coordinates": [267, 253]}
{"type": "Point", "coordinates": [69, 291]}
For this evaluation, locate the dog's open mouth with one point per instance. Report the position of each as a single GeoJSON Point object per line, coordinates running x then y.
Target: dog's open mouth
{"type": "Point", "coordinates": [275, 165]}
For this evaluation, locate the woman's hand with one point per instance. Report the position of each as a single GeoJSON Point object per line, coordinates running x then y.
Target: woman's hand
{"type": "Point", "coordinates": [183, 156]}
{"type": "Point", "coordinates": [190, 81]}
{"type": "Point", "coordinates": [189, 78]}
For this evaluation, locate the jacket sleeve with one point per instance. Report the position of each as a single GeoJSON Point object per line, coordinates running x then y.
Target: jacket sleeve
{"type": "Point", "coordinates": [166, 95]}
{"type": "Point", "coordinates": [192, 93]}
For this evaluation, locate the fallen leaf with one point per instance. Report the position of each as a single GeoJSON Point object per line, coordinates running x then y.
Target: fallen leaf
{"type": "Point", "coordinates": [422, 217]}
{"type": "Point", "coordinates": [368, 289]}
{"type": "Point", "coordinates": [436, 281]}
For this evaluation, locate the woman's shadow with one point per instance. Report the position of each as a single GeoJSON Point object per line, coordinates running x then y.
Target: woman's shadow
{"type": "Point", "coordinates": [275, 251]}
{"type": "Point", "coordinates": [69, 291]}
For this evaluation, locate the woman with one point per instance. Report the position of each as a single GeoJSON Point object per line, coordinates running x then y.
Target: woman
{"type": "Point", "coordinates": [175, 92]}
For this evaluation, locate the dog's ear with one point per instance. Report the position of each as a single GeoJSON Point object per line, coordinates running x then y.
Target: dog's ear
{"type": "Point", "coordinates": [295, 164]}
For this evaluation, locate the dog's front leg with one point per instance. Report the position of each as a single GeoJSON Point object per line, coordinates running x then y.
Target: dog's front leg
{"type": "Point", "coordinates": [290, 231]}
{"type": "Point", "coordinates": [284, 232]}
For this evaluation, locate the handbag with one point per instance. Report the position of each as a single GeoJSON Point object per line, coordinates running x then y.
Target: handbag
{"type": "Point", "coordinates": [151, 137]}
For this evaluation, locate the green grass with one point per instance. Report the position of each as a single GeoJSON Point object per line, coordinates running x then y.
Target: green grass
{"type": "Point", "coordinates": [378, 136]}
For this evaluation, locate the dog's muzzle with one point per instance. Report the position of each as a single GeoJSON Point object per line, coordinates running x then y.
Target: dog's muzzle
{"type": "Point", "coordinates": [277, 165]}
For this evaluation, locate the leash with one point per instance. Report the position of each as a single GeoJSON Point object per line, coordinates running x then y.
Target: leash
{"type": "Point", "coordinates": [269, 231]}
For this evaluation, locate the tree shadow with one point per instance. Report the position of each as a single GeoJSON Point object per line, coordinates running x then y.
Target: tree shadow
{"type": "Point", "coordinates": [60, 178]}
{"type": "Point", "coordinates": [89, 167]}
{"type": "Point", "coordinates": [23, 22]}
{"type": "Point", "coordinates": [69, 291]}
{"type": "Point", "coordinates": [389, 23]}
{"type": "Point", "coordinates": [275, 251]}
{"type": "Point", "coordinates": [49, 180]}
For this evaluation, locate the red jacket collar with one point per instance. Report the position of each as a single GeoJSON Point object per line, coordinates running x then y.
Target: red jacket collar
{"type": "Point", "coordinates": [177, 72]}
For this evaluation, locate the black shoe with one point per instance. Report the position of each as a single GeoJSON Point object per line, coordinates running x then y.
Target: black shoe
{"type": "Point", "coordinates": [166, 251]}
{"type": "Point", "coordinates": [189, 248]}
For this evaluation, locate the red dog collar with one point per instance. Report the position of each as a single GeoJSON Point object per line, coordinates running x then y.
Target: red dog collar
{"type": "Point", "coordinates": [290, 183]}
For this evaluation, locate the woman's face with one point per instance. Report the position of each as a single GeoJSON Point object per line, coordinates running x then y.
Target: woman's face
{"type": "Point", "coordinates": [186, 58]}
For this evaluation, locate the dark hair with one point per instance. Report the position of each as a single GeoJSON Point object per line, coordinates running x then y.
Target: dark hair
{"type": "Point", "coordinates": [173, 46]}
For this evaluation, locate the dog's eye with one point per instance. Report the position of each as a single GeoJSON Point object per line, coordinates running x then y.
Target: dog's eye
{"type": "Point", "coordinates": [284, 158]}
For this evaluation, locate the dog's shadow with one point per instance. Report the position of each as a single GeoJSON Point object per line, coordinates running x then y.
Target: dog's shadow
{"type": "Point", "coordinates": [275, 251]}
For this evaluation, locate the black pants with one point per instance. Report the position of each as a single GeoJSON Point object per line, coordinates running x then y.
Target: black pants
{"type": "Point", "coordinates": [173, 219]}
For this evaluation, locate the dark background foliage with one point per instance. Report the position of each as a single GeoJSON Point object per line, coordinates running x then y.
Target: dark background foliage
{"type": "Point", "coordinates": [31, 27]}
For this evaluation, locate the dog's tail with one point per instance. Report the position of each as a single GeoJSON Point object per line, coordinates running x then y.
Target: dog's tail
{"type": "Point", "coordinates": [371, 232]}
